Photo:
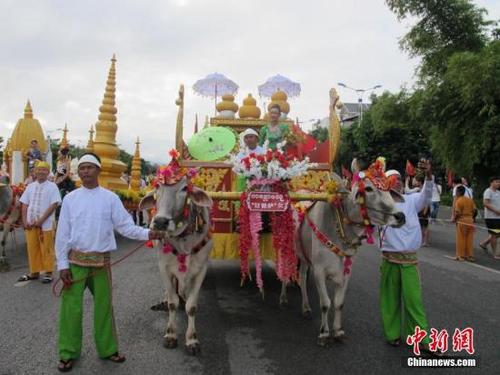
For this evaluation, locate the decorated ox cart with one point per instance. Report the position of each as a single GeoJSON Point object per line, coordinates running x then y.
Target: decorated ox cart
{"type": "Point", "coordinates": [247, 190]}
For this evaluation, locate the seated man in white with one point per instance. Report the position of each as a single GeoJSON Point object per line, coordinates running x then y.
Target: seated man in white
{"type": "Point", "coordinates": [249, 141]}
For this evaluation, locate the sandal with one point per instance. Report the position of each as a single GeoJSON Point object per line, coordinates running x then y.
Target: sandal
{"type": "Point", "coordinates": [471, 259]}
{"type": "Point", "coordinates": [116, 358]}
{"type": "Point", "coordinates": [395, 342]}
{"type": "Point", "coordinates": [484, 247]}
{"type": "Point", "coordinates": [65, 365]}
{"type": "Point", "coordinates": [46, 279]}
{"type": "Point", "coordinates": [27, 278]}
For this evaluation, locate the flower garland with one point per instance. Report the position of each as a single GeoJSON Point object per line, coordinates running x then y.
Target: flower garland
{"type": "Point", "coordinates": [269, 170]}
{"type": "Point", "coordinates": [283, 236]}
{"type": "Point", "coordinates": [283, 229]}
{"type": "Point", "coordinates": [245, 237]}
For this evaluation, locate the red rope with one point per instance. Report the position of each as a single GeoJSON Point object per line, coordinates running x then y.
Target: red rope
{"type": "Point", "coordinates": [57, 293]}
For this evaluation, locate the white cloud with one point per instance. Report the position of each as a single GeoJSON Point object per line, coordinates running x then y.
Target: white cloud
{"type": "Point", "coordinates": [57, 54]}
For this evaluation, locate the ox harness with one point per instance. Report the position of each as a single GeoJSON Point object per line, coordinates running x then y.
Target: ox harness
{"type": "Point", "coordinates": [195, 225]}
{"type": "Point", "coordinates": [325, 241]}
{"type": "Point", "coordinates": [341, 219]}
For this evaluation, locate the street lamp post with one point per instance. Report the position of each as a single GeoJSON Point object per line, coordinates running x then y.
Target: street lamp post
{"type": "Point", "coordinates": [360, 93]}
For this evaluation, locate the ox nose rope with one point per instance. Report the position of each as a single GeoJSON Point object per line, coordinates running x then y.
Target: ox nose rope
{"type": "Point", "coordinates": [56, 291]}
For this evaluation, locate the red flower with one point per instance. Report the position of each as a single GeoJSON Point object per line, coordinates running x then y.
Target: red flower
{"type": "Point", "coordinates": [174, 153]}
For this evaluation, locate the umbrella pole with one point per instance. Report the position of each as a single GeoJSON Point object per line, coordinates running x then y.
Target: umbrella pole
{"type": "Point", "coordinates": [215, 104]}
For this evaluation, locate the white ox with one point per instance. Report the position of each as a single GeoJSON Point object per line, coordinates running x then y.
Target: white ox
{"type": "Point", "coordinates": [183, 213]}
{"type": "Point", "coordinates": [10, 212]}
{"type": "Point", "coordinates": [343, 227]}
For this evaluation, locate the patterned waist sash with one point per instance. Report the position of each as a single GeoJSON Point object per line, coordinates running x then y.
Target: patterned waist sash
{"type": "Point", "coordinates": [89, 259]}
{"type": "Point", "coordinates": [399, 257]}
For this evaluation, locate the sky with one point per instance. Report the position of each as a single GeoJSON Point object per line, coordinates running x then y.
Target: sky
{"type": "Point", "coordinates": [56, 53]}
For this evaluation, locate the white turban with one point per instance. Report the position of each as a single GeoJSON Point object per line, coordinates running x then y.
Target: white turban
{"type": "Point", "coordinates": [87, 158]}
{"type": "Point", "coordinates": [249, 131]}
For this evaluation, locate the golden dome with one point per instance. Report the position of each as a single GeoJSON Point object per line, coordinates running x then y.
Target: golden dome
{"type": "Point", "coordinates": [280, 97]}
{"type": "Point", "coordinates": [27, 129]}
{"type": "Point", "coordinates": [249, 108]}
{"type": "Point", "coordinates": [227, 104]}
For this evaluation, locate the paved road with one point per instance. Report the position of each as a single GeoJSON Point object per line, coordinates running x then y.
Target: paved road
{"type": "Point", "coordinates": [242, 334]}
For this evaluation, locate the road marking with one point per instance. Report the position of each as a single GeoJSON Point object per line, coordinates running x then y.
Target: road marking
{"type": "Point", "coordinates": [475, 265]}
{"type": "Point", "coordinates": [22, 283]}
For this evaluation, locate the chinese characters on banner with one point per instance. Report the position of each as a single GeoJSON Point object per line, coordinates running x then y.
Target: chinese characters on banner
{"type": "Point", "coordinates": [267, 201]}
{"type": "Point", "coordinates": [461, 340]}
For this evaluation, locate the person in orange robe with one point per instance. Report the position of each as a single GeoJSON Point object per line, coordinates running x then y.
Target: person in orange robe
{"type": "Point", "coordinates": [464, 217]}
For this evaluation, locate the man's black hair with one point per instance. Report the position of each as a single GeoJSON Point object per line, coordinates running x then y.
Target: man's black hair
{"type": "Point", "coordinates": [493, 178]}
{"type": "Point", "coordinates": [461, 190]}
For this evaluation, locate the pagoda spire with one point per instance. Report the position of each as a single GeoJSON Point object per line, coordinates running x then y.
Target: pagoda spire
{"type": "Point", "coordinates": [64, 141]}
{"type": "Point", "coordinates": [105, 136]}
{"type": "Point", "coordinates": [28, 111]}
{"type": "Point", "coordinates": [135, 175]}
{"type": "Point", "coordinates": [90, 143]}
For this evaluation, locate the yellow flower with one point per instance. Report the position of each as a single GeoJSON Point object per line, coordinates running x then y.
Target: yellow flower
{"type": "Point", "coordinates": [331, 187]}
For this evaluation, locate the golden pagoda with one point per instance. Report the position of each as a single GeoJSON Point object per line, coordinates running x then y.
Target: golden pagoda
{"type": "Point", "coordinates": [26, 130]}
{"type": "Point", "coordinates": [90, 143]}
{"type": "Point", "coordinates": [105, 137]}
{"type": "Point", "coordinates": [135, 175]}
{"type": "Point", "coordinates": [64, 141]}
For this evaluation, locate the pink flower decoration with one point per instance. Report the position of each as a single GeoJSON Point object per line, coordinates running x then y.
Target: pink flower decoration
{"type": "Point", "coordinates": [167, 248]}
{"type": "Point", "coordinates": [347, 265]}
{"type": "Point", "coordinates": [192, 172]}
{"type": "Point", "coordinates": [181, 258]}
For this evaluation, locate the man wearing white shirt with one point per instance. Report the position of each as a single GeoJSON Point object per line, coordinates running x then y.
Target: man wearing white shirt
{"type": "Point", "coordinates": [39, 201]}
{"type": "Point", "coordinates": [84, 241]}
{"type": "Point", "coordinates": [250, 145]}
{"type": "Point", "coordinates": [400, 280]}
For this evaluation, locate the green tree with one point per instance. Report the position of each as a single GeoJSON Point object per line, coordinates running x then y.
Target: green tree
{"type": "Point", "coordinates": [443, 28]}
{"type": "Point", "coordinates": [465, 111]}
{"type": "Point", "coordinates": [392, 128]}
{"type": "Point", "coordinates": [319, 133]}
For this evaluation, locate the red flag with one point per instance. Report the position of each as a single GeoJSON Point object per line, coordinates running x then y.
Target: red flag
{"type": "Point", "coordinates": [346, 173]}
{"type": "Point", "coordinates": [410, 169]}
{"type": "Point", "coordinates": [450, 178]}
